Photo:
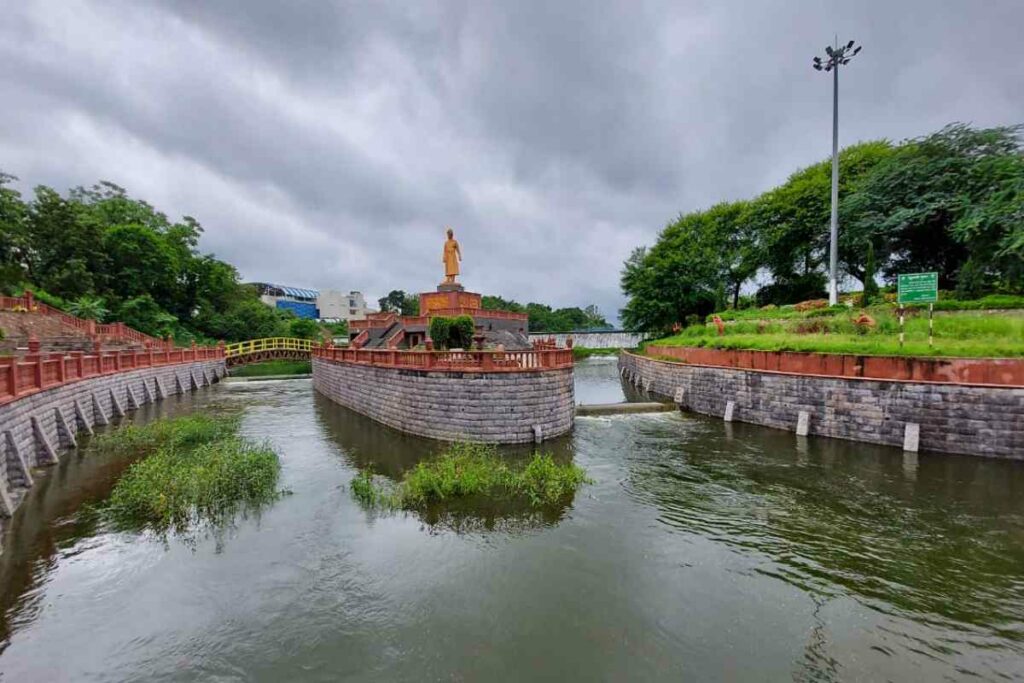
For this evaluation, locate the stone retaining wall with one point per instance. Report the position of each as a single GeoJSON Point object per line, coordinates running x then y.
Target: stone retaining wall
{"type": "Point", "coordinates": [35, 428]}
{"type": "Point", "coordinates": [498, 407]}
{"type": "Point", "coordinates": [952, 418]}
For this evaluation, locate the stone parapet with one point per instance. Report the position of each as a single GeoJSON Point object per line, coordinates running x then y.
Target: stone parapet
{"type": "Point", "coordinates": [950, 418]}
{"type": "Point", "coordinates": [36, 427]}
{"type": "Point", "coordinates": [489, 407]}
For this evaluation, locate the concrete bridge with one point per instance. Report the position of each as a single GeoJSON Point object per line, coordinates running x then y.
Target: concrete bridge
{"type": "Point", "coordinates": [269, 348]}
{"type": "Point", "coordinates": [606, 339]}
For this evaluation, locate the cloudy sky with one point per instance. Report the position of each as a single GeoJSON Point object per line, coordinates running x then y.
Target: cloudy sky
{"type": "Point", "coordinates": [327, 144]}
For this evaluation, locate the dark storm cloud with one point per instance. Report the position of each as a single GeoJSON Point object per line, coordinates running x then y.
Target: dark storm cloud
{"type": "Point", "coordinates": [326, 144]}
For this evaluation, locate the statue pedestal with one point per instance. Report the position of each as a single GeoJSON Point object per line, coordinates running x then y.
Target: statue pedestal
{"type": "Point", "coordinates": [450, 287]}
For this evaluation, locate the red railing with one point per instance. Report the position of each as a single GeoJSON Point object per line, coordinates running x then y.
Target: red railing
{"type": "Point", "coordinates": [33, 373]}
{"type": "Point", "coordinates": [112, 331]}
{"type": "Point", "coordinates": [463, 361]}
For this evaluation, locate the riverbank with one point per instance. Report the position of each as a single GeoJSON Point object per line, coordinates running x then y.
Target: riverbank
{"type": "Point", "coordinates": [837, 559]}
{"type": "Point", "coordinates": [971, 334]}
{"type": "Point", "coordinates": [973, 419]}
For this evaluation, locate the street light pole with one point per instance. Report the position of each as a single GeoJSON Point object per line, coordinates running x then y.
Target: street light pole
{"type": "Point", "coordinates": [837, 56]}
{"type": "Point", "coordinates": [833, 244]}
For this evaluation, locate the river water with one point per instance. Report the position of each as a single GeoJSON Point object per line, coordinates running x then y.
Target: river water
{"type": "Point", "coordinates": [701, 551]}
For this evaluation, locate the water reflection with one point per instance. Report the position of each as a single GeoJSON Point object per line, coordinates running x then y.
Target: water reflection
{"type": "Point", "coordinates": [365, 443]}
{"type": "Point", "coordinates": [940, 538]}
{"type": "Point", "coordinates": [61, 509]}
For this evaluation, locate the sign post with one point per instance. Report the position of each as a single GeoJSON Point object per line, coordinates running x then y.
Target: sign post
{"type": "Point", "coordinates": [918, 288]}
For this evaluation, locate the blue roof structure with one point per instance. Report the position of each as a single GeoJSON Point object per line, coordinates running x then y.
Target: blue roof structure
{"type": "Point", "coordinates": [298, 292]}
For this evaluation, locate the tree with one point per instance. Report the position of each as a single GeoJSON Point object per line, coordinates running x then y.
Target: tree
{"type": "Point", "coordinates": [682, 274]}
{"type": "Point", "coordinates": [143, 314]}
{"type": "Point", "coordinates": [304, 328]}
{"type": "Point", "coordinates": [791, 221]}
{"type": "Point", "coordinates": [870, 284]}
{"type": "Point", "coordinates": [13, 233]}
{"type": "Point", "coordinates": [951, 202]}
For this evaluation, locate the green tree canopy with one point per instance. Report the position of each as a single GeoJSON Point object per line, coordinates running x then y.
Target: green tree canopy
{"type": "Point", "coordinates": [952, 201]}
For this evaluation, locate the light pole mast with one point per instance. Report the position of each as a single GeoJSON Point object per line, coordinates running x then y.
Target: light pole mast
{"type": "Point", "coordinates": [837, 56]}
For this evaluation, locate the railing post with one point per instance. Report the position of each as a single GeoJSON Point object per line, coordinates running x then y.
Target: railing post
{"type": "Point", "coordinates": [33, 344]}
{"type": "Point", "coordinates": [38, 371]}
{"type": "Point", "coordinates": [79, 363]}
{"type": "Point", "coordinates": [61, 370]}
{"type": "Point", "coordinates": [30, 300]}
{"type": "Point", "coordinates": [486, 361]}
{"type": "Point", "coordinates": [12, 378]}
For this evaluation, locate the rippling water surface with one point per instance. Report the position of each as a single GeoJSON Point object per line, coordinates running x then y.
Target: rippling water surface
{"type": "Point", "coordinates": [702, 551]}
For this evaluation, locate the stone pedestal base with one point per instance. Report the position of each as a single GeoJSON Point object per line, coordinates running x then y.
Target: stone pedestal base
{"type": "Point", "coordinates": [450, 287]}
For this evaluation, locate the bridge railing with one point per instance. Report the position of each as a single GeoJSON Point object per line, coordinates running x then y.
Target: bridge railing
{"type": "Point", "coordinates": [463, 361]}
{"type": "Point", "coordinates": [36, 372]}
{"type": "Point", "coordinates": [267, 344]}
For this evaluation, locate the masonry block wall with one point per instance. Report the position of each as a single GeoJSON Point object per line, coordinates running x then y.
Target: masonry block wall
{"type": "Point", "coordinates": [36, 427]}
{"type": "Point", "coordinates": [499, 407]}
{"type": "Point", "coordinates": [973, 420]}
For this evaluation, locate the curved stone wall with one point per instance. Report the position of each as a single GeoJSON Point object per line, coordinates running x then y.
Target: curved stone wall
{"type": "Point", "coordinates": [491, 407]}
{"type": "Point", "coordinates": [951, 418]}
{"type": "Point", "coordinates": [36, 427]}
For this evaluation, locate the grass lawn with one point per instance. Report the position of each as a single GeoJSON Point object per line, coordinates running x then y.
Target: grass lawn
{"type": "Point", "coordinates": [966, 334]}
{"type": "Point", "coordinates": [273, 367]}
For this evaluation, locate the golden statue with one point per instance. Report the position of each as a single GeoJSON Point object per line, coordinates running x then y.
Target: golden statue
{"type": "Point", "coordinates": [452, 256]}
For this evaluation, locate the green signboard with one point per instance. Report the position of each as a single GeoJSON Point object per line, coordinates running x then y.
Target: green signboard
{"type": "Point", "coordinates": [918, 288]}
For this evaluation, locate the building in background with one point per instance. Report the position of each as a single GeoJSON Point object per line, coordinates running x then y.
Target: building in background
{"type": "Point", "coordinates": [312, 303]}
{"type": "Point", "coordinates": [335, 305]}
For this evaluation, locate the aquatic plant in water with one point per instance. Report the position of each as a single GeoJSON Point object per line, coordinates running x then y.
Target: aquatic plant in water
{"type": "Point", "coordinates": [198, 472]}
{"type": "Point", "coordinates": [468, 470]}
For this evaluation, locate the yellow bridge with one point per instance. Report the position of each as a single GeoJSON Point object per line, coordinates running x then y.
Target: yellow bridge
{"type": "Point", "coordinates": [270, 348]}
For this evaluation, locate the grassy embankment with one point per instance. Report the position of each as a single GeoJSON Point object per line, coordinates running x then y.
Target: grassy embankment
{"type": "Point", "coordinates": [471, 470]}
{"type": "Point", "coordinates": [833, 330]}
{"type": "Point", "coordinates": [196, 472]}
{"type": "Point", "coordinates": [273, 367]}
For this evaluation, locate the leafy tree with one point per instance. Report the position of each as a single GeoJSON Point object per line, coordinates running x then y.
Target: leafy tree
{"type": "Point", "coordinates": [304, 328]}
{"type": "Point", "coordinates": [870, 284]}
{"type": "Point", "coordinates": [13, 233]}
{"type": "Point", "coordinates": [951, 202]}
{"type": "Point", "coordinates": [397, 301]}
{"type": "Point", "coordinates": [145, 315]}
{"type": "Point", "coordinates": [681, 275]}
{"type": "Point", "coordinates": [791, 222]}
{"type": "Point", "coordinates": [496, 303]}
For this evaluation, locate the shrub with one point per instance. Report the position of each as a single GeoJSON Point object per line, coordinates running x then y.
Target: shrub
{"type": "Point", "coordinates": [439, 331]}
{"type": "Point", "coordinates": [468, 470]}
{"type": "Point", "coordinates": [196, 471]}
{"type": "Point", "coordinates": [89, 307]}
{"type": "Point", "coordinates": [797, 288]}
{"type": "Point", "coordinates": [304, 328]}
{"type": "Point", "coordinates": [452, 333]}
